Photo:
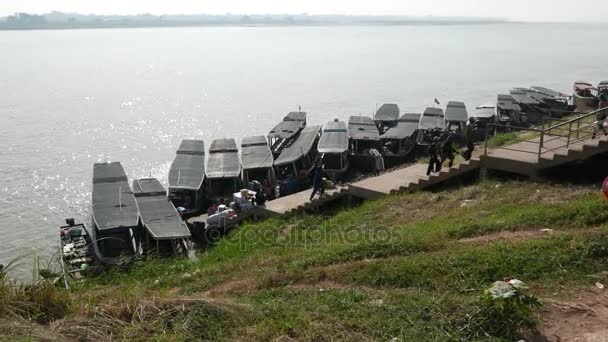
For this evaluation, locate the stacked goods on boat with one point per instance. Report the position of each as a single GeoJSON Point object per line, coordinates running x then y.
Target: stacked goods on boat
{"type": "Point", "coordinates": [283, 134]}
{"type": "Point", "coordinates": [399, 141]}
{"type": "Point", "coordinates": [258, 161]}
{"type": "Point", "coordinates": [164, 232]}
{"type": "Point", "coordinates": [482, 118]}
{"type": "Point", "coordinates": [456, 115]}
{"type": "Point", "coordinates": [584, 97]}
{"type": "Point", "coordinates": [432, 124]}
{"type": "Point", "coordinates": [116, 227]}
{"type": "Point", "coordinates": [333, 147]}
{"type": "Point", "coordinates": [76, 250]}
{"type": "Point", "coordinates": [363, 136]}
{"type": "Point", "coordinates": [294, 163]}
{"type": "Point", "coordinates": [386, 116]}
{"type": "Point", "coordinates": [187, 176]}
{"type": "Point", "coordinates": [223, 170]}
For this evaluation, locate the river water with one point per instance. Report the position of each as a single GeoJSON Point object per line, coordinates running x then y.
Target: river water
{"type": "Point", "coordinates": [71, 98]}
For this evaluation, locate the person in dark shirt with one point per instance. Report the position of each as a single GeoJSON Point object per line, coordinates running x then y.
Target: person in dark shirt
{"type": "Point", "coordinates": [317, 181]}
{"type": "Point", "coordinates": [469, 139]}
{"type": "Point", "coordinates": [447, 150]}
{"type": "Point", "coordinates": [434, 161]}
{"type": "Point", "coordinates": [599, 124]}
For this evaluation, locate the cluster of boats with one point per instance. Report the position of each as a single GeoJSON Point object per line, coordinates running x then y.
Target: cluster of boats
{"type": "Point", "coordinates": [135, 219]}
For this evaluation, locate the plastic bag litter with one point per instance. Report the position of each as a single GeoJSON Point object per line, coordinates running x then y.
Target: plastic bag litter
{"type": "Point", "coordinates": [503, 289]}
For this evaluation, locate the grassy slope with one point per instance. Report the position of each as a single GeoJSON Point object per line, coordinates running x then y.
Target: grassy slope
{"type": "Point", "coordinates": [389, 268]}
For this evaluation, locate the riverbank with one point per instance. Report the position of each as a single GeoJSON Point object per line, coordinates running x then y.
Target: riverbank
{"type": "Point", "coordinates": [409, 267]}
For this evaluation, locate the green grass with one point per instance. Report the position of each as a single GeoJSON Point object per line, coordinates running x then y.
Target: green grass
{"type": "Point", "coordinates": [391, 268]}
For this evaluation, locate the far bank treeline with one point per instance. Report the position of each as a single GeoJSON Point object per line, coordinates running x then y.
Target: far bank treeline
{"type": "Point", "coordinates": [60, 20]}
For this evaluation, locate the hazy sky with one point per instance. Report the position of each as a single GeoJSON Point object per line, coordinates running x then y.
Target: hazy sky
{"type": "Point", "coordinates": [543, 10]}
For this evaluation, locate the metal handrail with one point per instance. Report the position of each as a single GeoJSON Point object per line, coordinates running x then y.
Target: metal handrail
{"type": "Point", "coordinates": [578, 134]}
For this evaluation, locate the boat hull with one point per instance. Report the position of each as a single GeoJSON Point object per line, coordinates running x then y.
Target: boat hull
{"type": "Point", "coordinates": [584, 104]}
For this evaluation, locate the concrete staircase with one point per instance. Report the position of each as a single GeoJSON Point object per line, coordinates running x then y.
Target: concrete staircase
{"type": "Point", "coordinates": [442, 176]}
{"type": "Point", "coordinates": [578, 151]}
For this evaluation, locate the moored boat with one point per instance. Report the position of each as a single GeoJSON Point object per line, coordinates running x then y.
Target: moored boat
{"type": "Point", "coordinates": [333, 147]}
{"type": "Point", "coordinates": [116, 229]}
{"type": "Point", "coordinates": [399, 142]}
{"type": "Point", "coordinates": [584, 97]}
{"type": "Point", "coordinates": [258, 161]}
{"type": "Point", "coordinates": [432, 124]}
{"type": "Point", "coordinates": [456, 116]}
{"type": "Point", "coordinates": [164, 233]}
{"type": "Point", "coordinates": [483, 116]}
{"type": "Point", "coordinates": [223, 170]}
{"type": "Point", "coordinates": [187, 176]}
{"type": "Point", "coordinates": [76, 251]}
{"type": "Point", "coordinates": [508, 111]}
{"type": "Point", "coordinates": [386, 116]}
{"type": "Point", "coordinates": [363, 136]}
{"type": "Point", "coordinates": [294, 163]}
{"type": "Point", "coordinates": [283, 134]}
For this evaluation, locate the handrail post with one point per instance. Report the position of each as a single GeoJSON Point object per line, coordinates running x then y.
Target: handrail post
{"type": "Point", "coordinates": [569, 133]}
{"type": "Point", "coordinates": [578, 126]}
{"type": "Point", "coordinates": [485, 151]}
{"type": "Point", "coordinates": [541, 141]}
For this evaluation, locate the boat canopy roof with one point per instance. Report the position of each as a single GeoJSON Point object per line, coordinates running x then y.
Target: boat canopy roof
{"type": "Point", "coordinates": [388, 112]}
{"type": "Point", "coordinates": [484, 111]}
{"type": "Point", "coordinates": [603, 84]}
{"type": "Point", "coordinates": [299, 148]}
{"type": "Point", "coordinates": [113, 202]}
{"type": "Point", "coordinates": [291, 125]}
{"type": "Point", "coordinates": [157, 213]}
{"type": "Point", "coordinates": [223, 161]}
{"type": "Point", "coordinates": [456, 111]}
{"type": "Point", "coordinates": [582, 85]}
{"type": "Point", "coordinates": [362, 128]}
{"type": "Point", "coordinates": [188, 168]}
{"type": "Point", "coordinates": [548, 92]}
{"type": "Point", "coordinates": [507, 102]}
{"type": "Point", "coordinates": [334, 138]}
{"type": "Point", "coordinates": [255, 153]}
{"type": "Point", "coordinates": [432, 118]}
{"type": "Point", "coordinates": [194, 147]}
{"type": "Point", "coordinates": [522, 97]}
{"type": "Point", "coordinates": [406, 126]}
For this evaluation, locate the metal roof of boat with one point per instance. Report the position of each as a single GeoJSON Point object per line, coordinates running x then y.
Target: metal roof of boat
{"type": "Point", "coordinates": [334, 138]}
{"type": "Point", "coordinates": [387, 112]}
{"type": "Point", "coordinates": [432, 118]}
{"type": "Point", "coordinates": [603, 84]}
{"type": "Point", "coordinates": [258, 140]}
{"type": "Point", "coordinates": [548, 92]}
{"type": "Point", "coordinates": [255, 153]}
{"type": "Point", "coordinates": [195, 147]}
{"type": "Point", "coordinates": [406, 126]}
{"type": "Point", "coordinates": [301, 147]}
{"type": "Point", "coordinates": [113, 202]}
{"type": "Point", "coordinates": [362, 128]}
{"type": "Point", "coordinates": [291, 125]}
{"type": "Point", "coordinates": [223, 160]}
{"type": "Point", "coordinates": [456, 111]}
{"type": "Point", "coordinates": [157, 213]}
{"type": "Point", "coordinates": [583, 84]}
{"type": "Point", "coordinates": [188, 168]}
{"type": "Point", "coordinates": [507, 102]}
{"type": "Point", "coordinates": [522, 97]}
{"type": "Point", "coordinates": [484, 111]}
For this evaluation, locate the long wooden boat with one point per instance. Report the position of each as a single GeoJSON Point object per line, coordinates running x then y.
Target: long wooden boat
{"type": "Point", "coordinates": [76, 252]}
{"type": "Point", "coordinates": [187, 176]}
{"type": "Point", "coordinates": [333, 147]}
{"type": "Point", "coordinates": [223, 171]}
{"type": "Point", "coordinates": [584, 97]}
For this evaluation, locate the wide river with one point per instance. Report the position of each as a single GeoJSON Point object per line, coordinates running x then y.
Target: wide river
{"type": "Point", "coordinates": [71, 98]}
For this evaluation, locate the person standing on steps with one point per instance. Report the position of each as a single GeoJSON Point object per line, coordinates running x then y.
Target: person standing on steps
{"type": "Point", "coordinates": [378, 161]}
{"type": "Point", "coordinates": [469, 132]}
{"type": "Point", "coordinates": [600, 123]}
{"type": "Point", "coordinates": [317, 181]}
{"type": "Point", "coordinates": [447, 150]}
{"type": "Point", "coordinates": [434, 161]}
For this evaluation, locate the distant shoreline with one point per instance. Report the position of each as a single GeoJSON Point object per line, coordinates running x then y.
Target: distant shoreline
{"type": "Point", "coordinates": [4, 27]}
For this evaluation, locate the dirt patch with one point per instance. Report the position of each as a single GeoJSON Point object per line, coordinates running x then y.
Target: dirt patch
{"type": "Point", "coordinates": [508, 235]}
{"type": "Point", "coordinates": [231, 287]}
{"type": "Point", "coordinates": [584, 318]}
